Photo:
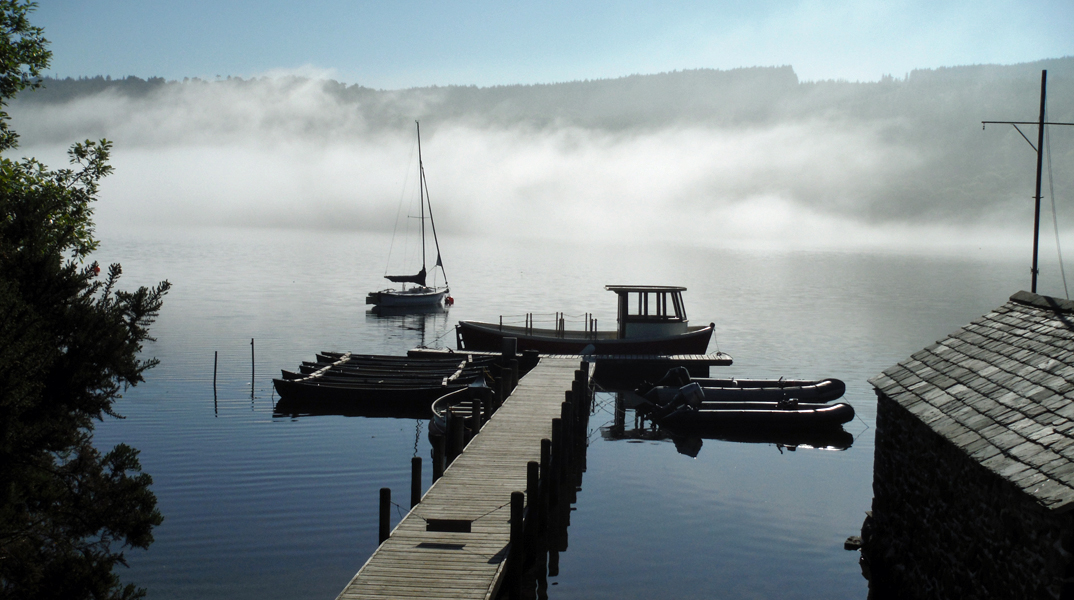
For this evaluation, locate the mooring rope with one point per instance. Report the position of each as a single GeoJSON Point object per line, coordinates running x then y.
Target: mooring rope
{"type": "Point", "coordinates": [398, 509]}
{"type": "Point", "coordinates": [508, 503]}
{"type": "Point", "coordinates": [867, 428]}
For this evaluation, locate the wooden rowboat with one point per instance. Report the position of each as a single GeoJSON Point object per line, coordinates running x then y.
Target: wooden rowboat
{"type": "Point", "coordinates": [412, 387]}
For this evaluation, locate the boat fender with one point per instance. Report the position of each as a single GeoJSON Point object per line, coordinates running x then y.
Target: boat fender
{"type": "Point", "coordinates": [449, 301]}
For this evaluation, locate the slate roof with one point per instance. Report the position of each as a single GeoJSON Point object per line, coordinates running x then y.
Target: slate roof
{"type": "Point", "coordinates": [1002, 390]}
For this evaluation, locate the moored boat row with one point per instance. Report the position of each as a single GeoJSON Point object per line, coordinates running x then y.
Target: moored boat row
{"type": "Point", "coordinates": [743, 390]}
{"type": "Point", "coordinates": [759, 404]}
{"type": "Point", "coordinates": [407, 383]}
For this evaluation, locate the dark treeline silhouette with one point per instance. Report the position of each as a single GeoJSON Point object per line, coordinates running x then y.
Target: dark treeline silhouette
{"type": "Point", "coordinates": [733, 98]}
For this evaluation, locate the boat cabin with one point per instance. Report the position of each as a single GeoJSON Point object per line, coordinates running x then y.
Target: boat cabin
{"type": "Point", "coordinates": [650, 311]}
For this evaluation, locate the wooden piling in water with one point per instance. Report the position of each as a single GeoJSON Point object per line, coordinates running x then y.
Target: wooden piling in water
{"type": "Point", "coordinates": [475, 415]}
{"type": "Point", "coordinates": [385, 513]}
{"type": "Point", "coordinates": [485, 397]}
{"type": "Point", "coordinates": [458, 436]}
{"type": "Point", "coordinates": [438, 457]}
{"type": "Point", "coordinates": [514, 560]}
{"type": "Point", "coordinates": [415, 481]}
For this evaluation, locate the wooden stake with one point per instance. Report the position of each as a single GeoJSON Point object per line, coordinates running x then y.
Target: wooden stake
{"type": "Point", "coordinates": [415, 481]}
{"type": "Point", "coordinates": [385, 514]}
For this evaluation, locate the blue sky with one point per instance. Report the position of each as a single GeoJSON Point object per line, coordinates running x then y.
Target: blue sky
{"type": "Point", "coordinates": [400, 44]}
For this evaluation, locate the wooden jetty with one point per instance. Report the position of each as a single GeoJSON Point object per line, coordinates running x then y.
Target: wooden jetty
{"type": "Point", "coordinates": [614, 368]}
{"type": "Point", "coordinates": [475, 489]}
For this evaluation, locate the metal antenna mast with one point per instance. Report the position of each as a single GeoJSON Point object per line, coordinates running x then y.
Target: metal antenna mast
{"type": "Point", "coordinates": [1039, 149]}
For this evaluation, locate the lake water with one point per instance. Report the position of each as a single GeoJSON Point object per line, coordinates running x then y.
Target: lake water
{"type": "Point", "coordinates": [263, 506]}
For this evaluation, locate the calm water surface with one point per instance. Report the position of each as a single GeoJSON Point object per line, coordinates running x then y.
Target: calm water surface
{"type": "Point", "coordinates": [264, 506]}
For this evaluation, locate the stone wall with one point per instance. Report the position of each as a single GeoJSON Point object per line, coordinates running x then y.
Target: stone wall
{"type": "Point", "coordinates": [944, 526]}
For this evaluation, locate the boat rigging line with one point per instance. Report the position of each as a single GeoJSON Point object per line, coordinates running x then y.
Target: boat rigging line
{"type": "Point", "coordinates": [399, 210]}
{"type": "Point", "coordinates": [1055, 217]}
{"type": "Point", "coordinates": [425, 187]}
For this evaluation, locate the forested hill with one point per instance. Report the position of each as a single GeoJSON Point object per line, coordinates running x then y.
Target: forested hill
{"type": "Point", "coordinates": [738, 97]}
{"type": "Point", "coordinates": [905, 150]}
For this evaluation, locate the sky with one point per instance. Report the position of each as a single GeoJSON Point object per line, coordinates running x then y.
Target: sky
{"type": "Point", "coordinates": [394, 45]}
{"type": "Point", "coordinates": [287, 152]}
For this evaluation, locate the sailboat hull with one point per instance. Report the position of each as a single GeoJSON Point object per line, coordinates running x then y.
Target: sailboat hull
{"type": "Point", "coordinates": [409, 298]}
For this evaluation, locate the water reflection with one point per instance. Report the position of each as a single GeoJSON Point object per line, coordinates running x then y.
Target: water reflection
{"type": "Point", "coordinates": [421, 326]}
{"type": "Point", "coordinates": [239, 526]}
{"type": "Point", "coordinates": [293, 407]}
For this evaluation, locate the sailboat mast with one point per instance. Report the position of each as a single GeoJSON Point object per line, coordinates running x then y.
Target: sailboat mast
{"type": "Point", "coordinates": [421, 195]}
{"type": "Point", "coordinates": [426, 201]}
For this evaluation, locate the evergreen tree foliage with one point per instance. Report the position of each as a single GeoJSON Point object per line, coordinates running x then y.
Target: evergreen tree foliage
{"type": "Point", "coordinates": [69, 344]}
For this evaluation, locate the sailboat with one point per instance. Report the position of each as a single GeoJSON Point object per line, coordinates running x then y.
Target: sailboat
{"type": "Point", "coordinates": [419, 296]}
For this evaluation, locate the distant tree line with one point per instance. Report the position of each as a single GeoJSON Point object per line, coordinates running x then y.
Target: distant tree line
{"type": "Point", "coordinates": [731, 98]}
{"type": "Point", "coordinates": [930, 119]}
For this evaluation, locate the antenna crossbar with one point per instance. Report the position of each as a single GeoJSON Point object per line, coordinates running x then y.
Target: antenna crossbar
{"type": "Point", "coordinates": [1040, 123]}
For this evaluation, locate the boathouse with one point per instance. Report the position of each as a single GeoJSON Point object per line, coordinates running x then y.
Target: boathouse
{"type": "Point", "coordinates": [973, 479]}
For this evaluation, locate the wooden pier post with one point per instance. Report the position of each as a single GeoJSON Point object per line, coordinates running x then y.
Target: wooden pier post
{"type": "Point", "coordinates": [458, 436]}
{"type": "Point", "coordinates": [385, 513]}
{"type": "Point", "coordinates": [415, 481]}
{"type": "Point", "coordinates": [579, 390]}
{"type": "Point", "coordinates": [533, 486]}
{"type": "Point", "coordinates": [566, 415]}
{"type": "Point", "coordinates": [533, 475]}
{"type": "Point", "coordinates": [514, 559]}
{"type": "Point", "coordinates": [545, 482]}
{"type": "Point", "coordinates": [438, 456]}
{"type": "Point", "coordinates": [475, 415]}
{"type": "Point", "coordinates": [485, 396]}
{"type": "Point", "coordinates": [556, 479]}
{"type": "Point", "coordinates": [509, 348]}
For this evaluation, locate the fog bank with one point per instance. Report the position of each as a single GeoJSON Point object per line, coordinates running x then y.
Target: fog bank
{"type": "Point", "coordinates": [750, 157]}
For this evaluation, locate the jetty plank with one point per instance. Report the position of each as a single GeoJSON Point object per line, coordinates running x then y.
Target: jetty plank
{"type": "Point", "coordinates": [477, 486]}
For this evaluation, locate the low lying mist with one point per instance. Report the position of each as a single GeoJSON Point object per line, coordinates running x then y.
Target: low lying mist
{"type": "Point", "coordinates": [744, 158]}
